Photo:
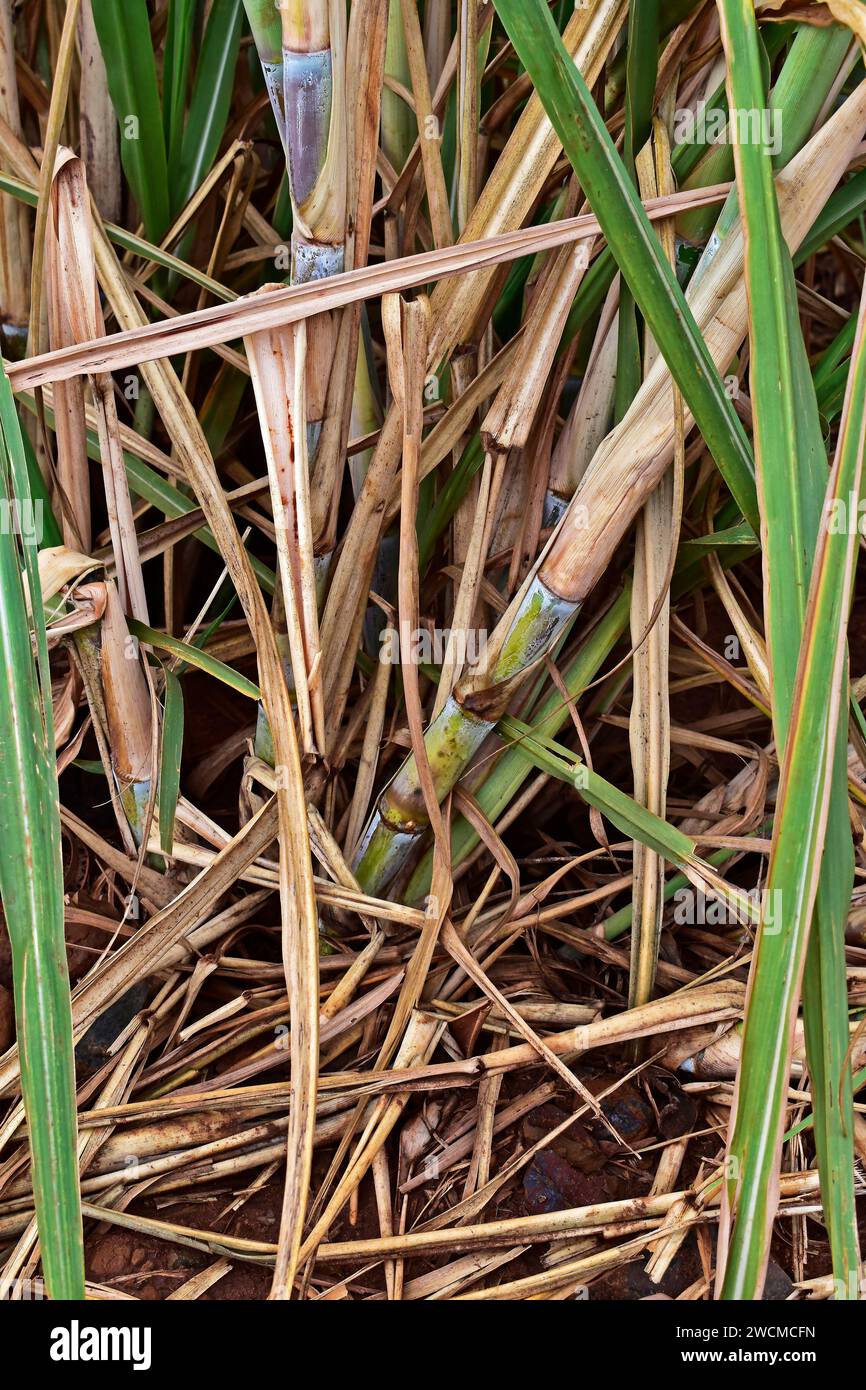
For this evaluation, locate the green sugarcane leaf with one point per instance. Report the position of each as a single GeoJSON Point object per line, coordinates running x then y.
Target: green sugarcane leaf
{"type": "Point", "coordinates": [805, 81]}
{"type": "Point", "coordinates": [195, 657]}
{"type": "Point", "coordinates": [48, 531]}
{"type": "Point", "coordinates": [629, 817]}
{"type": "Point", "coordinates": [124, 37]}
{"type": "Point", "coordinates": [632, 240]}
{"type": "Point", "coordinates": [833, 358]}
{"type": "Point", "coordinates": [791, 468]}
{"type": "Point", "coordinates": [640, 83]}
{"type": "Point", "coordinates": [175, 74]}
{"type": "Point", "coordinates": [841, 208]}
{"type": "Point", "coordinates": [626, 814]}
{"type": "Point", "coordinates": [806, 790]}
{"type": "Point", "coordinates": [211, 99]}
{"type": "Point", "coordinates": [31, 884]}
{"type": "Point", "coordinates": [169, 759]}
{"type": "Point", "coordinates": [641, 68]}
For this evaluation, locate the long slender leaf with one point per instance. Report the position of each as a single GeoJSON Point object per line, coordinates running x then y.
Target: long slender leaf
{"type": "Point", "coordinates": [195, 657]}
{"type": "Point", "coordinates": [169, 760]}
{"type": "Point", "coordinates": [211, 98]}
{"type": "Point", "coordinates": [790, 459]}
{"type": "Point", "coordinates": [31, 882]}
{"type": "Point", "coordinates": [124, 36]}
{"type": "Point", "coordinates": [642, 47]}
{"type": "Point", "coordinates": [175, 74]}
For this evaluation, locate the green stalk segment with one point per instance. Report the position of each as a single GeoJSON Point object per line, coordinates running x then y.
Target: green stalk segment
{"type": "Point", "coordinates": [455, 736]}
{"type": "Point", "coordinates": [512, 768]}
{"type": "Point", "coordinates": [266, 29]}
{"type": "Point", "coordinates": [313, 55]}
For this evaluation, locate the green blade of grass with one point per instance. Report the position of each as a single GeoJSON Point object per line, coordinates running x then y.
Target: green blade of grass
{"type": "Point", "coordinates": [804, 799]}
{"type": "Point", "coordinates": [640, 82]}
{"type": "Point", "coordinates": [194, 656]}
{"type": "Point", "coordinates": [211, 99]}
{"type": "Point", "coordinates": [175, 74]}
{"type": "Point", "coordinates": [31, 882]}
{"type": "Point", "coordinates": [806, 78]}
{"type": "Point", "coordinates": [169, 759]}
{"type": "Point", "coordinates": [842, 207]}
{"type": "Point", "coordinates": [791, 465]}
{"type": "Point", "coordinates": [632, 240]}
{"type": "Point", "coordinates": [124, 37]}
{"type": "Point", "coordinates": [626, 814]}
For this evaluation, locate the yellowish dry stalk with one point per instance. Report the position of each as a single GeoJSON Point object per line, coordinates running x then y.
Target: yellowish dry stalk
{"type": "Point", "coordinates": [279, 369]}
{"type": "Point", "coordinates": [590, 417]}
{"type": "Point", "coordinates": [509, 420]}
{"type": "Point", "coordinates": [97, 121]}
{"type": "Point", "coordinates": [519, 174]}
{"type": "Point", "coordinates": [655, 548]}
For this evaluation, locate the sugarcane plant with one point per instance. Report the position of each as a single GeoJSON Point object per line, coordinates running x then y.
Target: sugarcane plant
{"type": "Point", "coordinates": [568, 362]}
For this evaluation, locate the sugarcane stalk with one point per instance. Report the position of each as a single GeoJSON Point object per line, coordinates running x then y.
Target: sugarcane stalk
{"type": "Point", "coordinates": [98, 122]}
{"type": "Point", "coordinates": [533, 623]}
{"type": "Point", "coordinates": [510, 771]}
{"type": "Point", "coordinates": [267, 32]}
{"type": "Point", "coordinates": [624, 472]}
{"type": "Point", "coordinates": [302, 50]}
{"type": "Point", "coordinates": [314, 41]}
{"type": "Point", "coordinates": [507, 427]}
